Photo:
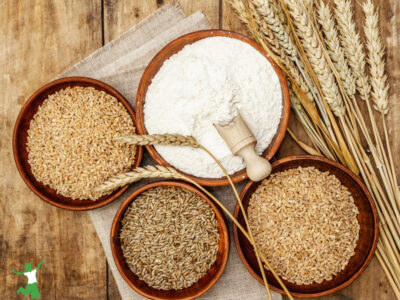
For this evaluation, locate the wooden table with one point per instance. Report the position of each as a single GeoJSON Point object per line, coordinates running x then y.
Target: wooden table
{"type": "Point", "coordinates": [38, 40]}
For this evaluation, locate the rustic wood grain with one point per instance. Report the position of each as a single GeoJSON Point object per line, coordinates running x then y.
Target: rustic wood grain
{"type": "Point", "coordinates": [40, 39]}
{"type": "Point", "coordinates": [120, 15]}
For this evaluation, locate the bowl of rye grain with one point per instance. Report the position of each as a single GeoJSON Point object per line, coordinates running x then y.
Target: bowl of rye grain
{"type": "Point", "coordinates": [169, 241]}
{"type": "Point", "coordinates": [314, 221]}
{"type": "Point", "coordinates": [63, 141]}
{"type": "Point", "coordinates": [165, 55]}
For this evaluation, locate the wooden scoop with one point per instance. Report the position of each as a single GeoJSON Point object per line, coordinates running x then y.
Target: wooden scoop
{"type": "Point", "coordinates": [241, 141]}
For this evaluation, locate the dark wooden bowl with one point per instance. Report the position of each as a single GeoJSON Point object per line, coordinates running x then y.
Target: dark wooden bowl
{"type": "Point", "coordinates": [194, 291]}
{"type": "Point", "coordinates": [174, 47]}
{"type": "Point", "coordinates": [367, 218]}
{"type": "Point", "coordinates": [20, 137]}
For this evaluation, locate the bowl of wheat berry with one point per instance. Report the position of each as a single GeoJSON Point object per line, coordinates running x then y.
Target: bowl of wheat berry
{"type": "Point", "coordinates": [170, 241]}
{"type": "Point", "coordinates": [63, 142]}
{"type": "Point", "coordinates": [315, 222]}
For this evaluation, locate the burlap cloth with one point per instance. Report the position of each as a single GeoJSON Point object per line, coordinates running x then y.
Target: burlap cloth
{"type": "Point", "coordinates": [121, 63]}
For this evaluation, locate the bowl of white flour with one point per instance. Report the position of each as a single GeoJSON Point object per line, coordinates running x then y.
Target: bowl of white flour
{"type": "Point", "coordinates": [205, 78]}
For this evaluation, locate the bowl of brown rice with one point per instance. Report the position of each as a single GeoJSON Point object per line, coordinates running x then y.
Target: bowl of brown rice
{"type": "Point", "coordinates": [63, 142]}
{"type": "Point", "coordinates": [314, 221]}
{"type": "Point", "coordinates": [169, 241]}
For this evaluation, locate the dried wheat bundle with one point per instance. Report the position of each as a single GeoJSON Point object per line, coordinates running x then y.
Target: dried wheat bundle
{"type": "Point", "coordinates": [327, 52]}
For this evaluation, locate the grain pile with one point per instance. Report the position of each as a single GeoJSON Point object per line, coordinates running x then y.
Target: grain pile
{"type": "Point", "coordinates": [70, 141]}
{"type": "Point", "coordinates": [305, 223]}
{"type": "Point", "coordinates": [169, 237]}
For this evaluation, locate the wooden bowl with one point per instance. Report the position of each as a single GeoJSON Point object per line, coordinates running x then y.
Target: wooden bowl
{"type": "Point", "coordinates": [21, 135]}
{"type": "Point", "coordinates": [367, 218]}
{"type": "Point", "coordinates": [174, 47]}
{"type": "Point", "coordinates": [194, 291]}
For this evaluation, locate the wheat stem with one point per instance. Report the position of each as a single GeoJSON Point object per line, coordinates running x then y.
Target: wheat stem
{"type": "Point", "coordinates": [378, 82]}
{"type": "Point", "coordinates": [302, 145]}
{"type": "Point", "coordinates": [306, 31]}
{"type": "Point", "coordinates": [395, 286]}
{"type": "Point", "coordinates": [256, 250]}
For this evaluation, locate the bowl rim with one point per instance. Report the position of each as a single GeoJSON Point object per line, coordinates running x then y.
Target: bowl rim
{"type": "Point", "coordinates": [279, 135]}
{"type": "Point", "coordinates": [119, 215]}
{"type": "Point", "coordinates": [18, 160]}
{"type": "Point", "coordinates": [374, 216]}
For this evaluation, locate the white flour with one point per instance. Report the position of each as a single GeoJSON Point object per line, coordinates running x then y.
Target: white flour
{"type": "Point", "coordinates": [205, 84]}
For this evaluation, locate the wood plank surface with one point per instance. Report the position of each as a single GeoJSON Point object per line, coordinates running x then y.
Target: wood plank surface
{"type": "Point", "coordinates": [40, 39]}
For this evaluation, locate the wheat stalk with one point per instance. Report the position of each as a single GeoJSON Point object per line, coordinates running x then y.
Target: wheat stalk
{"type": "Point", "coordinates": [315, 55]}
{"type": "Point", "coordinates": [334, 49]}
{"type": "Point", "coordinates": [378, 81]}
{"type": "Point", "coordinates": [352, 45]}
{"type": "Point", "coordinates": [320, 67]}
{"type": "Point", "coordinates": [255, 26]}
{"type": "Point", "coordinates": [159, 139]}
{"type": "Point", "coordinates": [272, 20]}
{"type": "Point", "coordinates": [305, 120]}
{"type": "Point", "coordinates": [272, 41]}
{"type": "Point", "coordinates": [375, 58]}
{"type": "Point", "coordinates": [137, 174]}
{"type": "Point", "coordinates": [337, 60]}
{"type": "Point", "coordinates": [356, 57]}
{"type": "Point", "coordinates": [265, 10]}
{"type": "Point", "coordinates": [305, 100]}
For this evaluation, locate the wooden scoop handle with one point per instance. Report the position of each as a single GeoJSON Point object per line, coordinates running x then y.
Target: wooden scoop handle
{"type": "Point", "coordinates": [241, 141]}
{"type": "Point", "coordinates": [257, 167]}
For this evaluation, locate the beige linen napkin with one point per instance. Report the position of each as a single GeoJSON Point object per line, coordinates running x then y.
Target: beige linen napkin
{"type": "Point", "coordinates": [121, 64]}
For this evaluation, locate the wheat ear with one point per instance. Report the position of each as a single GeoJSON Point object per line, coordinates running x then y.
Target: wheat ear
{"type": "Point", "coordinates": [375, 58]}
{"type": "Point", "coordinates": [378, 80]}
{"type": "Point", "coordinates": [278, 11]}
{"type": "Point", "coordinates": [350, 41]}
{"type": "Point", "coordinates": [272, 42]}
{"type": "Point", "coordinates": [316, 57]}
{"type": "Point", "coordinates": [136, 175]}
{"type": "Point", "coordinates": [334, 49]}
{"type": "Point", "coordinates": [160, 139]}
{"type": "Point", "coordinates": [356, 57]}
{"type": "Point", "coordinates": [273, 22]}
{"type": "Point", "coordinates": [265, 10]}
